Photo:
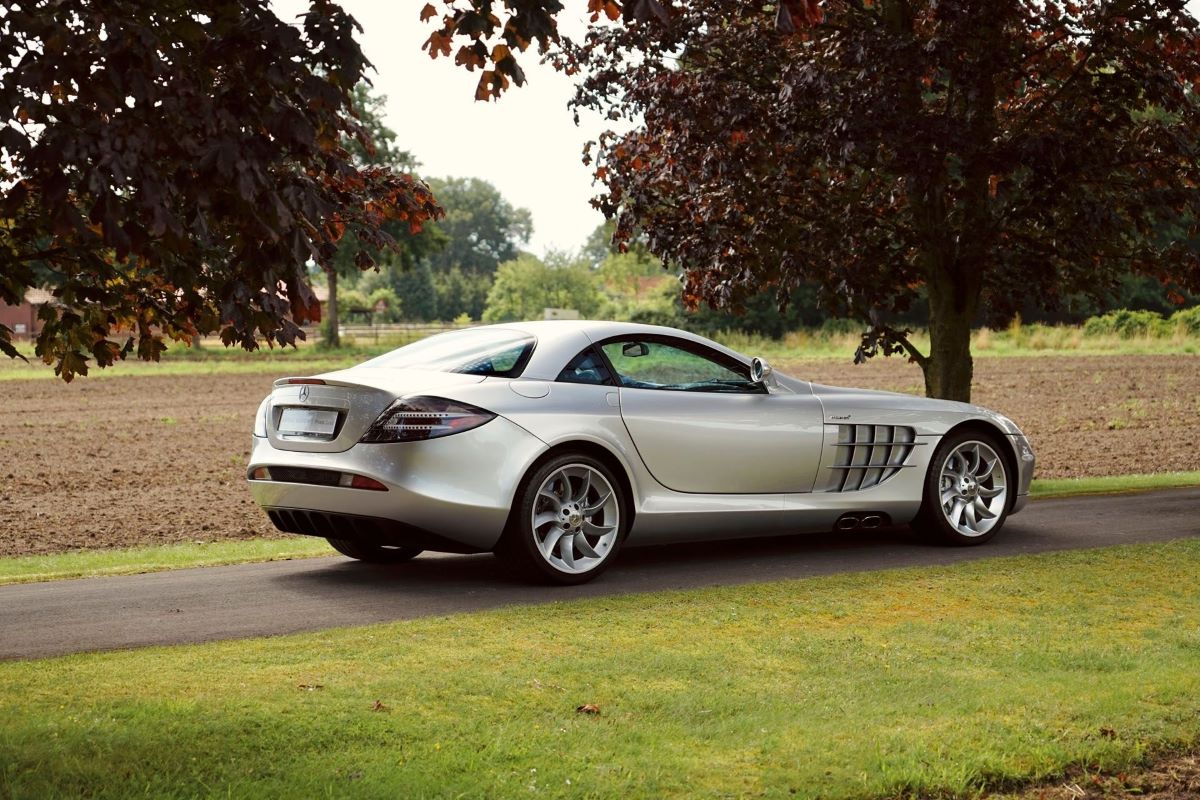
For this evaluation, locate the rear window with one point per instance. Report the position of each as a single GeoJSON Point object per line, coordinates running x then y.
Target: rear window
{"type": "Point", "coordinates": [498, 353]}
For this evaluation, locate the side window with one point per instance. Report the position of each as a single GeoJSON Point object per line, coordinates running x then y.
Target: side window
{"type": "Point", "coordinates": [502, 363]}
{"type": "Point", "coordinates": [587, 367]}
{"type": "Point", "coordinates": [654, 365]}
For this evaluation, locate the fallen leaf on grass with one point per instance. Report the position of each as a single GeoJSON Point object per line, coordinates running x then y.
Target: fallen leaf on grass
{"type": "Point", "coordinates": [310, 687]}
{"type": "Point", "coordinates": [588, 708]}
{"type": "Point", "coordinates": [378, 706]}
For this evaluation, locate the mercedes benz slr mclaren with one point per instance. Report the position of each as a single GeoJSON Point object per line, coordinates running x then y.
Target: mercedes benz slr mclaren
{"type": "Point", "coordinates": [556, 443]}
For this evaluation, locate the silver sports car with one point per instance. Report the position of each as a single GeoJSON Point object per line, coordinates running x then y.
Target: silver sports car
{"type": "Point", "coordinates": [556, 443]}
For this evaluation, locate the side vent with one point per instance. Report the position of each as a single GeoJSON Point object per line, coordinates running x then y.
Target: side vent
{"type": "Point", "coordinates": [867, 455]}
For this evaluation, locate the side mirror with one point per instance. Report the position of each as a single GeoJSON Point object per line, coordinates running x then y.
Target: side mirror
{"type": "Point", "coordinates": [634, 349]}
{"type": "Point", "coordinates": [760, 370]}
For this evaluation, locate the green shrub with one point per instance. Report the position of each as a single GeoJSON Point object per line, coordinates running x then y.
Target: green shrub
{"type": "Point", "coordinates": [391, 304]}
{"type": "Point", "coordinates": [1127, 324]}
{"type": "Point", "coordinates": [837, 326]}
{"type": "Point", "coordinates": [1188, 320]}
{"type": "Point", "coordinates": [351, 301]}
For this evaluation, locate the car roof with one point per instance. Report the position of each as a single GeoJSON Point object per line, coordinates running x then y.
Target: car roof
{"type": "Point", "coordinates": [559, 340]}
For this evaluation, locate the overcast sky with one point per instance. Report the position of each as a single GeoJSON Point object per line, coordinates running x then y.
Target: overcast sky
{"type": "Point", "coordinates": [526, 144]}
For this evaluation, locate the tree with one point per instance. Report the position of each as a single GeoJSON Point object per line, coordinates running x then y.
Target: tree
{"type": "Point", "coordinates": [526, 286]}
{"type": "Point", "coordinates": [976, 153]}
{"type": "Point", "coordinates": [600, 245]}
{"type": "Point", "coordinates": [407, 247]}
{"type": "Point", "coordinates": [481, 228]}
{"type": "Point", "coordinates": [461, 293]}
{"type": "Point", "coordinates": [633, 282]}
{"type": "Point", "coordinates": [417, 293]}
{"type": "Point", "coordinates": [174, 169]}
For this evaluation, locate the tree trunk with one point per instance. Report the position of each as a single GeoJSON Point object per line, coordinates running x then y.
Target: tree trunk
{"type": "Point", "coordinates": [949, 368]}
{"type": "Point", "coordinates": [332, 337]}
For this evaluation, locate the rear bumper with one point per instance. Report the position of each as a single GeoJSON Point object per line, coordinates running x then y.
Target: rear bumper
{"type": "Point", "coordinates": [452, 493]}
{"type": "Point", "coordinates": [355, 528]}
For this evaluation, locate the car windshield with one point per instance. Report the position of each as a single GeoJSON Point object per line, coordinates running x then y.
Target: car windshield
{"type": "Point", "coordinates": [473, 351]}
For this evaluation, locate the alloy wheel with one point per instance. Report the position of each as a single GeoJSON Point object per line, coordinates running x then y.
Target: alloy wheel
{"type": "Point", "coordinates": [973, 488]}
{"type": "Point", "coordinates": [575, 519]}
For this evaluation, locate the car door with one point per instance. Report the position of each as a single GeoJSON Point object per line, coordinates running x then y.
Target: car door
{"type": "Point", "coordinates": [701, 425]}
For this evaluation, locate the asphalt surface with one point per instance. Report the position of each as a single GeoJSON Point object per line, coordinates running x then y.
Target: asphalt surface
{"type": "Point", "coordinates": [211, 603]}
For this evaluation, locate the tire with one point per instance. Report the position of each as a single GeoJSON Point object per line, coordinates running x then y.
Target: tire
{"type": "Point", "coordinates": [568, 521]}
{"type": "Point", "coordinates": [375, 553]}
{"type": "Point", "coordinates": [968, 490]}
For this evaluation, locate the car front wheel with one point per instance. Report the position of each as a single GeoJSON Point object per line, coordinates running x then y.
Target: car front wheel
{"type": "Point", "coordinates": [568, 521]}
{"type": "Point", "coordinates": [966, 497]}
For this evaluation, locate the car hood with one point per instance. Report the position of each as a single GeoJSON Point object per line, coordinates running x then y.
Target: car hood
{"type": "Point", "coordinates": [844, 406]}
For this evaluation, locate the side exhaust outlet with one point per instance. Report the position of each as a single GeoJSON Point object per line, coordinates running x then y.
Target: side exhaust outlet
{"type": "Point", "coordinates": [868, 520]}
{"type": "Point", "coordinates": [847, 522]}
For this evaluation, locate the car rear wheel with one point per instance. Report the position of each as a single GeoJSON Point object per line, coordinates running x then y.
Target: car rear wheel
{"type": "Point", "coordinates": [375, 553]}
{"type": "Point", "coordinates": [966, 497]}
{"type": "Point", "coordinates": [568, 521]}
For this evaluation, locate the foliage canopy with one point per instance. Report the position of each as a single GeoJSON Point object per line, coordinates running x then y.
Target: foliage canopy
{"type": "Point", "coordinates": [170, 172]}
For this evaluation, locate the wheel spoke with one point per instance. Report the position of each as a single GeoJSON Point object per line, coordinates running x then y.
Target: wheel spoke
{"type": "Point", "coordinates": [585, 487]}
{"type": "Point", "coordinates": [986, 473]}
{"type": "Point", "coordinates": [593, 529]}
{"type": "Point", "coordinates": [544, 518]}
{"type": "Point", "coordinates": [566, 550]}
{"type": "Point", "coordinates": [985, 492]}
{"type": "Point", "coordinates": [585, 548]}
{"type": "Point", "coordinates": [957, 512]}
{"type": "Point", "coordinates": [548, 488]}
{"type": "Point", "coordinates": [596, 506]}
{"type": "Point", "coordinates": [969, 513]}
{"type": "Point", "coordinates": [547, 545]}
{"type": "Point", "coordinates": [982, 511]}
{"type": "Point", "coordinates": [947, 496]}
{"type": "Point", "coordinates": [960, 467]}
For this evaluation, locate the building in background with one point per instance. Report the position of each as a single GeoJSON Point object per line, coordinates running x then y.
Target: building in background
{"type": "Point", "coordinates": [22, 319]}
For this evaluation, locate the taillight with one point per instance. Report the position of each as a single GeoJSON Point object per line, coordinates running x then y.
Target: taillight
{"type": "Point", "coordinates": [415, 419]}
{"type": "Point", "coordinates": [260, 419]}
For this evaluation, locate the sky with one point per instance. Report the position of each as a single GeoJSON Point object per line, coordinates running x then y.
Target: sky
{"type": "Point", "coordinates": [526, 144]}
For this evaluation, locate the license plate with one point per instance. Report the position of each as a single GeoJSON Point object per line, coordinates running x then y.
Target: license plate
{"type": "Point", "coordinates": [307, 422]}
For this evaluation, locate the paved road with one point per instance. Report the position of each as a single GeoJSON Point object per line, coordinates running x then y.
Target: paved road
{"type": "Point", "coordinates": [205, 604]}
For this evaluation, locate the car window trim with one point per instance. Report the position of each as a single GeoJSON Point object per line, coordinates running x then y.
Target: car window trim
{"type": "Point", "coordinates": [688, 346]}
{"type": "Point", "coordinates": [518, 367]}
{"type": "Point", "coordinates": [610, 374]}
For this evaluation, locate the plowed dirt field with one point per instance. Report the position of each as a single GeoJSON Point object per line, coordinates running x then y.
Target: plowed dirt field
{"type": "Point", "coordinates": [151, 460]}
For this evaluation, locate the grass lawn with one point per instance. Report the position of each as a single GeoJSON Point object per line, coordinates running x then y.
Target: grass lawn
{"type": "Point", "coordinates": [1113, 484]}
{"type": "Point", "coordinates": [128, 561]}
{"type": "Point", "coordinates": [931, 680]}
{"type": "Point", "coordinates": [132, 560]}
